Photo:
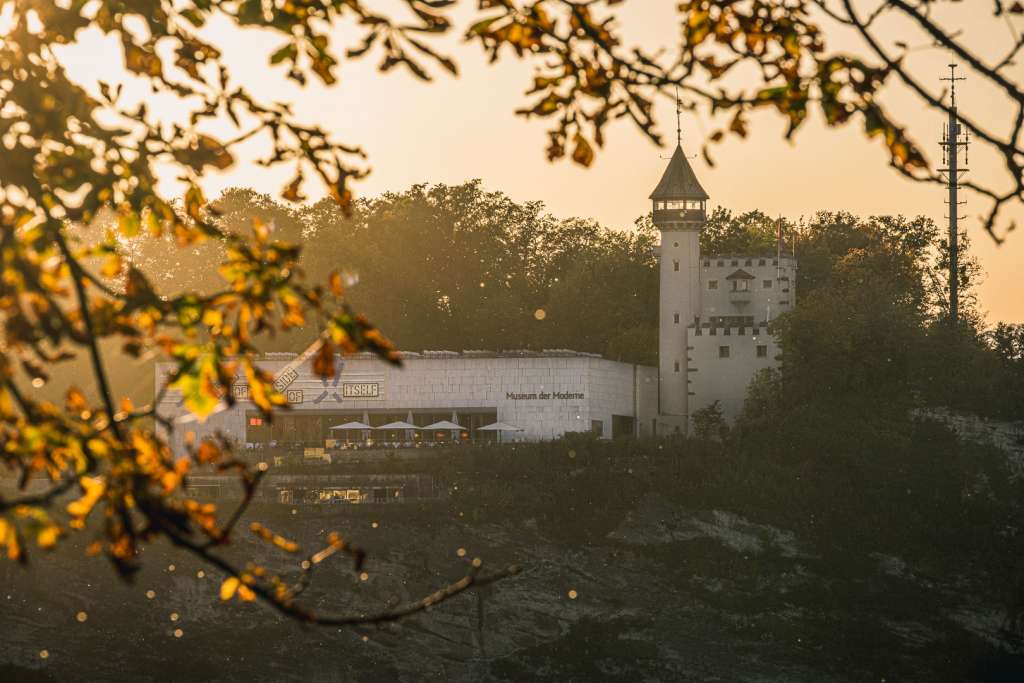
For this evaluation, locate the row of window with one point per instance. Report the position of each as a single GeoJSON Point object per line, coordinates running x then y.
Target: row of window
{"type": "Point", "coordinates": [761, 350]}
{"type": "Point", "coordinates": [741, 285]}
{"type": "Point", "coordinates": [736, 262]}
{"type": "Point", "coordinates": [678, 204]}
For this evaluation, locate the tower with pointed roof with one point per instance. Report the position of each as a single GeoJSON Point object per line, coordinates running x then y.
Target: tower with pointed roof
{"type": "Point", "coordinates": [679, 211]}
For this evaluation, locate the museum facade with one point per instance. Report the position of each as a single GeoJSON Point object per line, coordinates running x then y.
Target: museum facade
{"type": "Point", "coordinates": [541, 395]}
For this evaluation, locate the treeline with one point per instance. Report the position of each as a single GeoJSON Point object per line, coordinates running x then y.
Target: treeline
{"type": "Point", "coordinates": [871, 334]}
{"type": "Point", "coordinates": [458, 267]}
{"type": "Point", "coordinates": [454, 268]}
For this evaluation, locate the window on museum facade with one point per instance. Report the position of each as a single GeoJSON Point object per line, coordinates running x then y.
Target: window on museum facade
{"type": "Point", "coordinates": [723, 351]}
{"type": "Point", "coordinates": [762, 351]}
{"type": "Point", "coordinates": [766, 284]}
{"type": "Point", "coordinates": [740, 285]}
{"type": "Point", "coordinates": [712, 284]}
{"type": "Point", "coordinates": [675, 318]}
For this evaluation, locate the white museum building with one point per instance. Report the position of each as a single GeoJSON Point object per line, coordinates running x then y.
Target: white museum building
{"type": "Point", "coordinates": [713, 338]}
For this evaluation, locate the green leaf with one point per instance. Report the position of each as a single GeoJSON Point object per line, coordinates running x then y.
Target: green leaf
{"type": "Point", "coordinates": [288, 51]}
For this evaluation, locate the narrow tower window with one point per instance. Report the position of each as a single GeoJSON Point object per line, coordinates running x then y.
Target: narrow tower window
{"type": "Point", "coordinates": [675, 265]}
{"type": "Point", "coordinates": [677, 366]}
{"type": "Point", "coordinates": [723, 351]}
{"type": "Point", "coordinates": [675, 318]}
{"type": "Point", "coordinates": [762, 351]}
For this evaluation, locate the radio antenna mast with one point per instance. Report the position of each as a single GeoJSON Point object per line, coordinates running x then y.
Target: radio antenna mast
{"type": "Point", "coordinates": [953, 138]}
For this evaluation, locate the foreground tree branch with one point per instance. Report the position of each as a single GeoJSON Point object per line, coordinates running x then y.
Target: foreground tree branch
{"type": "Point", "coordinates": [65, 291]}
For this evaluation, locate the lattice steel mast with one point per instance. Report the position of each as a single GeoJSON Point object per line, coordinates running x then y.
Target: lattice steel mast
{"type": "Point", "coordinates": [954, 138]}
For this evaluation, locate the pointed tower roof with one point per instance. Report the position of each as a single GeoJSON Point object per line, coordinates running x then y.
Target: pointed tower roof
{"type": "Point", "coordinates": [679, 181]}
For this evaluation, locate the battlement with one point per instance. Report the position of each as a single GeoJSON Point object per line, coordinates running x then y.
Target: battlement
{"type": "Point", "coordinates": [706, 329]}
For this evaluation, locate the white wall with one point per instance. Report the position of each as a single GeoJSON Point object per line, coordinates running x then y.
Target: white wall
{"type": "Point", "coordinates": [765, 302]}
{"type": "Point", "coordinates": [726, 380]}
{"type": "Point", "coordinates": [524, 391]}
{"type": "Point", "coordinates": [679, 302]}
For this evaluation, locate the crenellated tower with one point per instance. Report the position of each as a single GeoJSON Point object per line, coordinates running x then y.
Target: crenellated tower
{"type": "Point", "coordinates": [679, 210]}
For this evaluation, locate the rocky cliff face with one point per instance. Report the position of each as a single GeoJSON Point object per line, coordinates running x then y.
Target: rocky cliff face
{"type": "Point", "coordinates": [669, 593]}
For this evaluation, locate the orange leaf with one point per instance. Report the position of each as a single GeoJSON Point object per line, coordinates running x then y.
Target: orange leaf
{"type": "Point", "coordinates": [228, 588]}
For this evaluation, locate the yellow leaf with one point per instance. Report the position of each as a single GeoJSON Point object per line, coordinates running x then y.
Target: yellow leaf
{"type": "Point", "coordinates": [129, 223]}
{"type": "Point", "coordinates": [246, 594]}
{"type": "Point", "coordinates": [47, 536]}
{"type": "Point", "coordinates": [9, 538]}
{"type": "Point", "coordinates": [94, 488]}
{"type": "Point", "coordinates": [335, 282]}
{"type": "Point", "coordinates": [111, 266]}
{"type": "Point", "coordinates": [212, 317]}
{"type": "Point", "coordinates": [228, 588]}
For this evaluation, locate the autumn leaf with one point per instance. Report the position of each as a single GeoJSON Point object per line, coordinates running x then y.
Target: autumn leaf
{"type": "Point", "coordinates": [323, 363]}
{"type": "Point", "coordinates": [74, 401]}
{"type": "Point", "coordinates": [583, 154]}
{"type": "Point", "coordinates": [335, 283]}
{"type": "Point", "coordinates": [47, 536]}
{"type": "Point", "coordinates": [229, 587]}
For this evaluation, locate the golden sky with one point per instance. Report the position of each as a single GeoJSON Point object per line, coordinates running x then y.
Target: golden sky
{"type": "Point", "coordinates": [452, 130]}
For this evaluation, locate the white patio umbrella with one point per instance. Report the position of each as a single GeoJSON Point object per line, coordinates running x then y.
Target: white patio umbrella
{"type": "Point", "coordinates": [362, 426]}
{"type": "Point", "coordinates": [444, 424]}
{"type": "Point", "coordinates": [352, 425]}
{"type": "Point", "coordinates": [397, 425]}
{"type": "Point", "coordinates": [499, 427]}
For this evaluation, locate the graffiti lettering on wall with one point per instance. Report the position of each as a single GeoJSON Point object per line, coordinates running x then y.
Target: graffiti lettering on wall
{"type": "Point", "coordinates": [360, 389]}
{"type": "Point", "coordinates": [286, 378]}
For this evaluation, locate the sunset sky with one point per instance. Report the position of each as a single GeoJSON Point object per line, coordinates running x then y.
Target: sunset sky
{"type": "Point", "coordinates": [452, 130]}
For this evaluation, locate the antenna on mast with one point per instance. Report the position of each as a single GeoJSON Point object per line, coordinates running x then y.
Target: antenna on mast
{"type": "Point", "coordinates": [679, 124]}
{"type": "Point", "coordinates": [953, 138]}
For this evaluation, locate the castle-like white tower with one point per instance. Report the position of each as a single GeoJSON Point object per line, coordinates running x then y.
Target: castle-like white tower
{"type": "Point", "coordinates": [679, 213]}
{"type": "Point", "coordinates": [714, 310]}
